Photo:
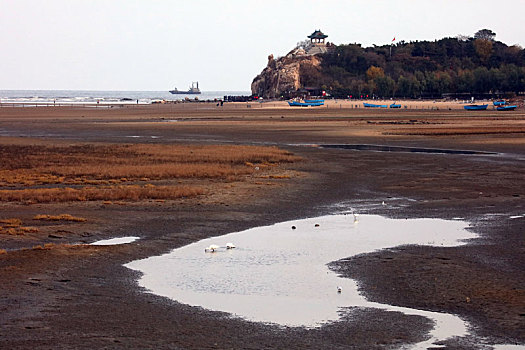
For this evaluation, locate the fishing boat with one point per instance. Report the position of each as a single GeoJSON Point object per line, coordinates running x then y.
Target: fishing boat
{"type": "Point", "coordinates": [499, 103]}
{"type": "Point", "coordinates": [315, 101]}
{"type": "Point", "coordinates": [506, 108]}
{"type": "Point", "coordinates": [394, 105]}
{"type": "Point", "coordinates": [193, 90]}
{"type": "Point", "coordinates": [371, 105]}
{"type": "Point", "coordinates": [475, 107]}
{"type": "Point", "coordinates": [304, 104]}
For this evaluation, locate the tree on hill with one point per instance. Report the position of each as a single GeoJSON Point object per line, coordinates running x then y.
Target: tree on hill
{"type": "Point", "coordinates": [483, 49]}
{"type": "Point", "coordinates": [485, 34]}
{"type": "Point", "coordinates": [374, 72]}
{"type": "Point", "coordinates": [463, 64]}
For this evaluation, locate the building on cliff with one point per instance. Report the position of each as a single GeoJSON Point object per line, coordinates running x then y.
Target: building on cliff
{"type": "Point", "coordinates": [317, 44]}
{"type": "Point", "coordinates": [282, 76]}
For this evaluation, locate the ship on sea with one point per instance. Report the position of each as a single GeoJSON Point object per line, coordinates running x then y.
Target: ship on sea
{"type": "Point", "coordinates": [193, 90]}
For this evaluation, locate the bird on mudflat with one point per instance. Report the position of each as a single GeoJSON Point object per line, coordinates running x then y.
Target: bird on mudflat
{"type": "Point", "coordinates": [211, 248]}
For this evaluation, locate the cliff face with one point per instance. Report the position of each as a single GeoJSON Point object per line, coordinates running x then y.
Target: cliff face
{"type": "Point", "coordinates": [283, 75]}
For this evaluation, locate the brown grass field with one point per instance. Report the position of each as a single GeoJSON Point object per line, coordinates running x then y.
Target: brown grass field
{"type": "Point", "coordinates": [94, 172]}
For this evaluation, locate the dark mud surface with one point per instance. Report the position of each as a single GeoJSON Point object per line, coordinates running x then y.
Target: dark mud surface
{"type": "Point", "coordinates": [82, 297]}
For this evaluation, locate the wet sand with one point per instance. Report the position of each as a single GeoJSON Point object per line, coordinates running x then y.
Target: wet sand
{"type": "Point", "coordinates": [82, 296]}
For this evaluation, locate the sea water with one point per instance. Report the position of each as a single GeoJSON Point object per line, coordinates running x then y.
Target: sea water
{"type": "Point", "coordinates": [278, 274]}
{"type": "Point", "coordinates": [93, 96]}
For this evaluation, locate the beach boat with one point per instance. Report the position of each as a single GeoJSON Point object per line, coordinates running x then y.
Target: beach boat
{"type": "Point", "coordinates": [304, 104]}
{"type": "Point", "coordinates": [506, 108]}
{"type": "Point", "coordinates": [475, 107]}
{"type": "Point", "coordinates": [499, 103]}
{"type": "Point", "coordinates": [371, 105]}
{"type": "Point", "coordinates": [193, 90]}
{"type": "Point", "coordinates": [315, 101]}
{"type": "Point", "coordinates": [393, 105]}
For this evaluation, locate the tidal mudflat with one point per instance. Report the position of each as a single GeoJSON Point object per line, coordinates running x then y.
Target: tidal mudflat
{"type": "Point", "coordinates": [278, 274]}
{"type": "Point", "coordinates": [81, 296]}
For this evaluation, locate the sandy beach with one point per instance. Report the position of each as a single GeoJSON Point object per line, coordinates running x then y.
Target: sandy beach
{"type": "Point", "coordinates": [58, 292]}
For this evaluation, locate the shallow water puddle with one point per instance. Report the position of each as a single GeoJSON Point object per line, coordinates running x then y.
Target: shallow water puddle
{"type": "Point", "coordinates": [509, 347]}
{"type": "Point", "coordinates": [406, 149]}
{"type": "Point", "coordinates": [386, 148]}
{"type": "Point", "coordinates": [279, 275]}
{"type": "Point", "coordinates": [114, 241]}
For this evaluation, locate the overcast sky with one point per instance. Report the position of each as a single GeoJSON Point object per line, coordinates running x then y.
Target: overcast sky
{"type": "Point", "coordinates": [157, 45]}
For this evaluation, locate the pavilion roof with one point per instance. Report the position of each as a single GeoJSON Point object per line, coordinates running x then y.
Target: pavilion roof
{"type": "Point", "coordinates": [317, 35]}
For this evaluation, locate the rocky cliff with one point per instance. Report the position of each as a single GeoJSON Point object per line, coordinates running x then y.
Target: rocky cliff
{"type": "Point", "coordinates": [283, 76]}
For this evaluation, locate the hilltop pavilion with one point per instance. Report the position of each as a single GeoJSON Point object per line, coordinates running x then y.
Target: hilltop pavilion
{"type": "Point", "coordinates": [317, 44]}
{"type": "Point", "coordinates": [317, 37]}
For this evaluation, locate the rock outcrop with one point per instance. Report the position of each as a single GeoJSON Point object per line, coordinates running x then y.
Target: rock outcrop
{"type": "Point", "coordinates": [283, 76]}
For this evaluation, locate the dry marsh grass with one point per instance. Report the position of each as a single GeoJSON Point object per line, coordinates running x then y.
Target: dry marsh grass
{"type": "Point", "coordinates": [28, 229]}
{"type": "Point", "coordinates": [275, 177]}
{"type": "Point", "coordinates": [111, 172]}
{"type": "Point", "coordinates": [47, 246]}
{"type": "Point", "coordinates": [48, 165]}
{"type": "Point", "coordinates": [110, 193]}
{"type": "Point", "coordinates": [100, 173]}
{"type": "Point", "coordinates": [61, 217]}
{"type": "Point", "coordinates": [11, 222]}
{"type": "Point", "coordinates": [13, 226]}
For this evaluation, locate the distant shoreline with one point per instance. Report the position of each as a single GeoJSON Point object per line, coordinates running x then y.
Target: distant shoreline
{"type": "Point", "coordinates": [415, 104]}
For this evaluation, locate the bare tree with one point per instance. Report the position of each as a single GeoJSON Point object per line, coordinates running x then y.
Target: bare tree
{"type": "Point", "coordinates": [303, 45]}
{"type": "Point", "coordinates": [462, 37]}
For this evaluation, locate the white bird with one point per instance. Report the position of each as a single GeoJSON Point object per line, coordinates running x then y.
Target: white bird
{"type": "Point", "coordinates": [230, 245]}
{"type": "Point", "coordinates": [383, 203]}
{"type": "Point", "coordinates": [356, 220]}
{"type": "Point", "coordinates": [211, 248]}
{"type": "Point", "coordinates": [339, 289]}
